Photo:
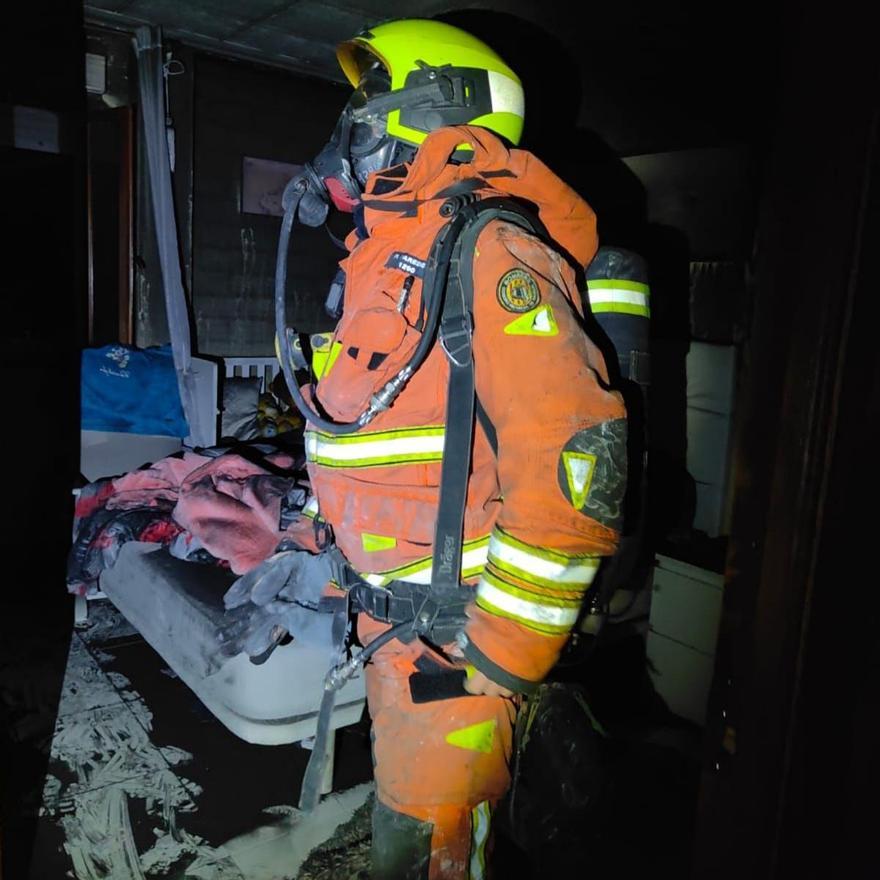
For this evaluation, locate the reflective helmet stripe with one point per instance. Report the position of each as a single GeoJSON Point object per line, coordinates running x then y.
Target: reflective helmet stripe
{"type": "Point", "coordinates": [507, 94]}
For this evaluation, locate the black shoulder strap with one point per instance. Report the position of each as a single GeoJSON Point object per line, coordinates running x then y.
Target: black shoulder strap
{"type": "Point", "coordinates": [456, 330]}
{"type": "Point", "coordinates": [486, 424]}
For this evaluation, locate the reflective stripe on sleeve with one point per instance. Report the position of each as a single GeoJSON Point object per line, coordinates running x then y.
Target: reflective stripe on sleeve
{"type": "Point", "coordinates": [540, 566]}
{"type": "Point", "coordinates": [537, 616]}
{"type": "Point", "coordinates": [624, 297]}
{"type": "Point", "coordinates": [375, 449]}
{"type": "Point", "coordinates": [545, 600]}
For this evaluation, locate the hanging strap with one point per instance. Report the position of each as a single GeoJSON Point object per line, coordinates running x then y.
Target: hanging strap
{"type": "Point", "coordinates": [310, 793]}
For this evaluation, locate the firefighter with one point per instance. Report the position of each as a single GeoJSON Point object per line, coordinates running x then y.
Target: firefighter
{"type": "Point", "coordinates": [430, 129]}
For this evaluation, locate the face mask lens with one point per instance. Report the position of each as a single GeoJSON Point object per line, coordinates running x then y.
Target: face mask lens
{"type": "Point", "coordinates": [374, 81]}
{"type": "Point", "coordinates": [367, 134]}
{"type": "Point", "coordinates": [358, 147]}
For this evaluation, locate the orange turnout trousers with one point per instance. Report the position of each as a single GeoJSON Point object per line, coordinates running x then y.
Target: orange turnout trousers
{"type": "Point", "coordinates": [545, 483]}
{"type": "Point", "coordinates": [443, 764]}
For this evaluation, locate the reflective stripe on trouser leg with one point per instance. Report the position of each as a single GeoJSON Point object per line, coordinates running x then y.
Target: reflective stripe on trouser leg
{"type": "Point", "coordinates": [481, 818]}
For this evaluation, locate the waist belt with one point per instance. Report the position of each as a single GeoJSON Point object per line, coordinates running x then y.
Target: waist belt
{"type": "Point", "coordinates": [399, 602]}
{"type": "Point", "coordinates": [402, 602]}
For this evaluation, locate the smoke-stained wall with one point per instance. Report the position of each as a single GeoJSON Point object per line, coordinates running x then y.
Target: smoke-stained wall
{"type": "Point", "coordinates": [241, 111]}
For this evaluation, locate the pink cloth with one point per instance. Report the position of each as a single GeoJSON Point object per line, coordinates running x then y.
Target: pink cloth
{"type": "Point", "coordinates": [230, 504]}
{"type": "Point", "coordinates": [234, 508]}
{"type": "Point", "coordinates": [156, 485]}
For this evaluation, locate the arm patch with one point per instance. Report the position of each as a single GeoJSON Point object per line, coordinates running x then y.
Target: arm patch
{"type": "Point", "coordinates": [592, 472]}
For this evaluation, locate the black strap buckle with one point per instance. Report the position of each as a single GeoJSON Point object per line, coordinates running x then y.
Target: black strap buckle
{"type": "Point", "coordinates": [426, 616]}
{"type": "Point", "coordinates": [460, 353]}
{"type": "Point", "coordinates": [375, 601]}
{"type": "Point", "coordinates": [381, 604]}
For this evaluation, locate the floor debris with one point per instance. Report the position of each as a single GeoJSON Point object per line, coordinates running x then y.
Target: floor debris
{"type": "Point", "coordinates": [125, 807]}
{"type": "Point", "coordinates": [346, 855]}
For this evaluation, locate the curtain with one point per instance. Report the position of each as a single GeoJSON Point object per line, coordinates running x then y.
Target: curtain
{"type": "Point", "coordinates": [151, 82]}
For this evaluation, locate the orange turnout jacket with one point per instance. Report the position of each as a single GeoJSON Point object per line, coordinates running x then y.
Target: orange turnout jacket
{"type": "Point", "coordinates": [542, 512]}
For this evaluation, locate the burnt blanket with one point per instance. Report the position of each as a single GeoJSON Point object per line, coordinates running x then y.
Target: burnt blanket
{"type": "Point", "coordinates": [220, 508]}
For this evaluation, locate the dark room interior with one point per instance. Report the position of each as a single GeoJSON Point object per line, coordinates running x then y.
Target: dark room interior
{"type": "Point", "coordinates": [713, 711]}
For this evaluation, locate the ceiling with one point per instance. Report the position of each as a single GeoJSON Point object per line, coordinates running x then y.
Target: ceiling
{"type": "Point", "coordinates": [297, 34]}
{"type": "Point", "coordinates": [645, 75]}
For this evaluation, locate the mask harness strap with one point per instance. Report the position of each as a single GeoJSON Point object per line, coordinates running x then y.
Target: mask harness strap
{"type": "Point", "coordinates": [440, 91]}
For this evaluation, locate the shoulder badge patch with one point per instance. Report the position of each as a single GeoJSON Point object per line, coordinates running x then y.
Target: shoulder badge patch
{"type": "Point", "coordinates": [518, 291]}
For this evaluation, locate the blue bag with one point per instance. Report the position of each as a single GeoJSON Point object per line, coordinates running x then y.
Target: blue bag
{"type": "Point", "coordinates": [131, 390]}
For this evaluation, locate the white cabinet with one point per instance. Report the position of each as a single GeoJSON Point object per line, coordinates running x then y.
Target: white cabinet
{"type": "Point", "coordinates": [685, 613]}
{"type": "Point", "coordinates": [711, 378]}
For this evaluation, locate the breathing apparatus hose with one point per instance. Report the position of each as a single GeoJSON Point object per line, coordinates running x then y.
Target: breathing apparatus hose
{"type": "Point", "coordinates": [293, 195]}
{"type": "Point", "coordinates": [434, 285]}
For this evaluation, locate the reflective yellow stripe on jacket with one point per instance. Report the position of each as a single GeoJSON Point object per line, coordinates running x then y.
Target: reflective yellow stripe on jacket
{"type": "Point", "coordinates": [541, 589]}
{"type": "Point", "coordinates": [375, 449]}
{"type": "Point", "coordinates": [473, 561]}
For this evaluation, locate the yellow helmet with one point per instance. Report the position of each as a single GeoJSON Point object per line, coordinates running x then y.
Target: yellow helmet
{"type": "Point", "coordinates": [439, 76]}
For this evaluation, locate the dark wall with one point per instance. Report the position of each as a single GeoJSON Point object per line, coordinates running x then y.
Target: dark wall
{"type": "Point", "coordinates": [111, 127]}
{"type": "Point", "coordinates": [44, 287]}
{"type": "Point", "coordinates": [43, 249]}
{"type": "Point", "coordinates": [242, 110]}
{"type": "Point", "coordinates": [791, 778]}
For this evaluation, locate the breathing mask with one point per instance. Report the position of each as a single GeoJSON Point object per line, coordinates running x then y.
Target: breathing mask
{"type": "Point", "coordinates": [360, 143]}
{"type": "Point", "coordinates": [359, 146]}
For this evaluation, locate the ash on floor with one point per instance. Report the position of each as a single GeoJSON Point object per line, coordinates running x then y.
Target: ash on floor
{"type": "Point", "coordinates": [143, 782]}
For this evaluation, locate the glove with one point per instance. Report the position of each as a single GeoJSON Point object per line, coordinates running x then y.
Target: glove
{"type": "Point", "coordinates": [292, 575]}
{"type": "Point", "coordinates": [279, 596]}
